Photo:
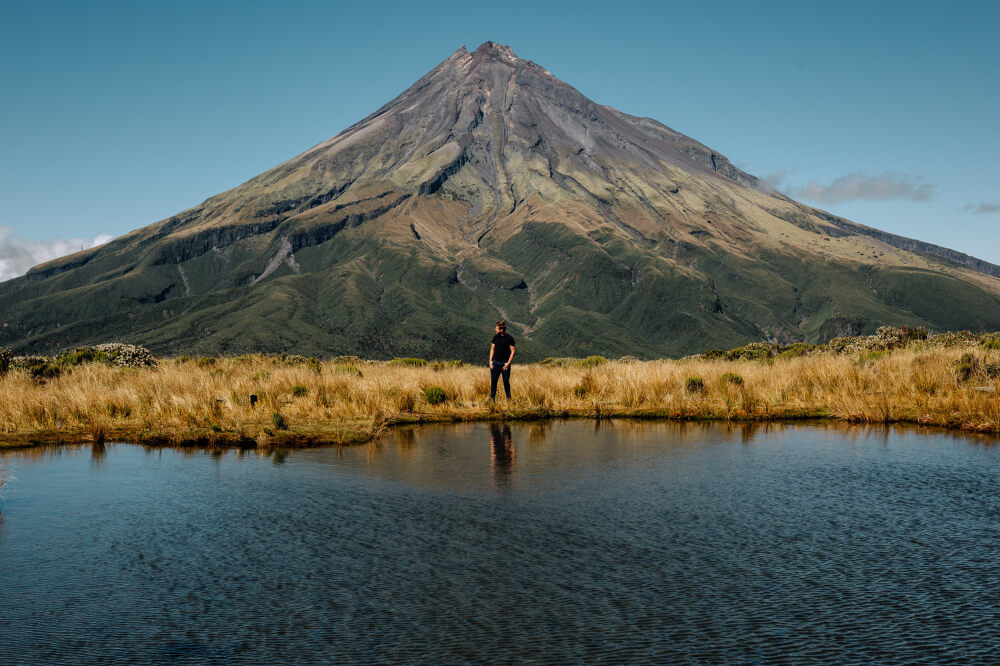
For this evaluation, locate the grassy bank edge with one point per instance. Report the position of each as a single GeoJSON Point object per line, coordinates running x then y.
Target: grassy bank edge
{"type": "Point", "coordinates": [345, 433]}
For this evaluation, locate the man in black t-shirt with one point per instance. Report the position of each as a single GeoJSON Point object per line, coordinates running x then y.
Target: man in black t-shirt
{"type": "Point", "coordinates": [501, 356]}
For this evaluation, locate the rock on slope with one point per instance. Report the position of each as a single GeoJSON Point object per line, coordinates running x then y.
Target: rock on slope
{"type": "Point", "coordinates": [492, 189]}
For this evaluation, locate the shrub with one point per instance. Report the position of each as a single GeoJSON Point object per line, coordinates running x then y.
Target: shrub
{"type": "Point", "coordinates": [732, 378]}
{"type": "Point", "coordinates": [797, 349]}
{"type": "Point", "coordinates": [755, 351]}
{"type": "Point", "coordinates": [591, 362]}
{"type": "Point", "coordinates": [42, 368]}
{"type": "Point", "coordinates": [206, 361]}
{"type": "Point", "coordinates": [299, 390]}
{"type": "Point", "coordinates": [5, 360]}
{"type": "Point", "coordinates": [580, 390]}
{"type": "Point", "coordinates": [955, 339]}
{"type": "Point", "coordinates": [694, 385]}
{"type": "Point", "coordinates": [347, 370]}
{"type": "Point", "coordinates": [295, 359]}
{"type": "Point", "coordinates": [843, 344]}
{"type": "Point", "coordinates": [127, 356]}
{"type": "Point", "coordinates": [408, 362]}
{"type": "Point", "coordinates": [81, 355]}
{"type": "Point", "coordinates": [27, 362]}
{"type": "Point", "coordinates": [990, 341]}
{"type": "Point", "coordinates": [434, 395]}
{"type": "Point", "coordinates": [885, 338]}
{"type": "Point", "coordinates": [444, 365]}
{"type": "Point", "coordinates": [555, 362]}
{"type": "Point", "coordinates": [278, 421]}
{"type": "Point", "coordinates": [346, 360]}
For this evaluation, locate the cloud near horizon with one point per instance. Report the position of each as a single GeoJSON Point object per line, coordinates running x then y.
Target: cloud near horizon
{"type": "Point", "coordinates": [17, 255]}
{"type": "Point", "coordinates": [860, 186]}
{"type": "Point", "coordinates": [983, 207]}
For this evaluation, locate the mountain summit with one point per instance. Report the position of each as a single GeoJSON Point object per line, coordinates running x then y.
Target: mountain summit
{"type": "Point", "coordinates": [491, 189]}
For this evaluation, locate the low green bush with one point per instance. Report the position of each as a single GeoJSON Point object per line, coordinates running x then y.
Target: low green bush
{"type": "Point", "coordinates": [990, 341]}
{"type": "Point", "coordinates": [694, 385]}
{"type": "Point", "coordinates": [732, 378]}
{"type": "Point", "coordinates": [299, 390]}
{"type": "Point", "coordinates": [591, 362]}
{"type": "Point", "coordinates": [798, 349]}
{"type": "Point", "coordinates": [39, 367]}
{"type": "Point", "coordinates": [79, 356]}
{"type": "Point", "coordinates": [408, 362]}
{"type": "Point", "coordinates": [434, 395]}
{"type": "Point", "coordinates": [346, 360]}
{"type": "Point", "coordinates": [278, 421]}
{"type": "Point", "coordinates": [347, 370]}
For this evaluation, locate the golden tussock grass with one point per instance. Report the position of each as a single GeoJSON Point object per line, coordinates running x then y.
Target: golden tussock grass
{"type": "Point", "coordinates": [184, 402]}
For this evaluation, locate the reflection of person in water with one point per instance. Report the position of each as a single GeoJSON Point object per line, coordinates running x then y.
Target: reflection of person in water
{"type": "Point", "coordinates": [501, 452]}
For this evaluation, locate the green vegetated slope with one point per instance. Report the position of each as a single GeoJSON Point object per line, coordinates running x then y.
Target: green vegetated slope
{"type": "Point", "coordinates": [490, 189]}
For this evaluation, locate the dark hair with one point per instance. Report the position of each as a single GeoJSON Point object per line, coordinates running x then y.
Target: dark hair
{"type": "Point", "coordinates": [502, 325]}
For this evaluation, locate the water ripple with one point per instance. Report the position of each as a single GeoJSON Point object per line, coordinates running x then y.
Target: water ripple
{"type": "Point", "coordinates": [625, 543]}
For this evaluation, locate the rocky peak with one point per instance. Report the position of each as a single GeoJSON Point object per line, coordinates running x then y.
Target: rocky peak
{"type": "Point", "coordinates": [496, 51]}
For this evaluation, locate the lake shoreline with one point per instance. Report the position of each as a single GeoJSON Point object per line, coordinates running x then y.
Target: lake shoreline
{"type": "Point", "coordinates": [292, 402]}
{"type": "Point", "coordinates": [341, 435]}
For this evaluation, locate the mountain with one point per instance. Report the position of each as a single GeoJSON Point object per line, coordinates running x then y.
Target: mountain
{"type": "Point", "coordinates": [491, 189]}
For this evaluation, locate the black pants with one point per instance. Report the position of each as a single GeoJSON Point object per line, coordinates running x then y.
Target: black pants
{"type": "Point", "coordinates": [497, 371]}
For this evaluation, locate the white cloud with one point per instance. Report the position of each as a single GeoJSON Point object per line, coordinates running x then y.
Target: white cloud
{"type": "Point", "coordinates": [860, 185]}
{"type": "Point", "coordinates": [983, 207]}
{"type": "Point", "coordinates": [774, 181]}
{"type": "Point", "coordinates": [17, 255]}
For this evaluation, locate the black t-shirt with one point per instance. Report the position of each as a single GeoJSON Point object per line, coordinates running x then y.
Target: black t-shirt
{"type": "Point", "coordinates": [502, 343]}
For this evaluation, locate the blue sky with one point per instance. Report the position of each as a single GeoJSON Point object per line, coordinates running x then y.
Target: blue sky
{"type": "Point", "coordinates": [118, 114]}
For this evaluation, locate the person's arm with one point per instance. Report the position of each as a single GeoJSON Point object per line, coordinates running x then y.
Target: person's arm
{"type": "Point", "coordinates": [511, 359]}
{"type": "Point", "coordinates": [492, 347]}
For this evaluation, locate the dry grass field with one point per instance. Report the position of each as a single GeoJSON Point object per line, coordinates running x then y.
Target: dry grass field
{"type": "Point", "coordinates": [301, 402]}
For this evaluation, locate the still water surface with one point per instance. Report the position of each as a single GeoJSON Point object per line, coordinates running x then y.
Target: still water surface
{"type": "Point", "coordinates": [562, 542]}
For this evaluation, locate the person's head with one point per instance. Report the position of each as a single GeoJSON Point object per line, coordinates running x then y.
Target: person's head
{"type": "Point", "coordinates": [501, 327]}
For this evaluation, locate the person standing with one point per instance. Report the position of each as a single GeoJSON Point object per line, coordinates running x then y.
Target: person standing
{"type": "Point", "coordinates": [501, 356]}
